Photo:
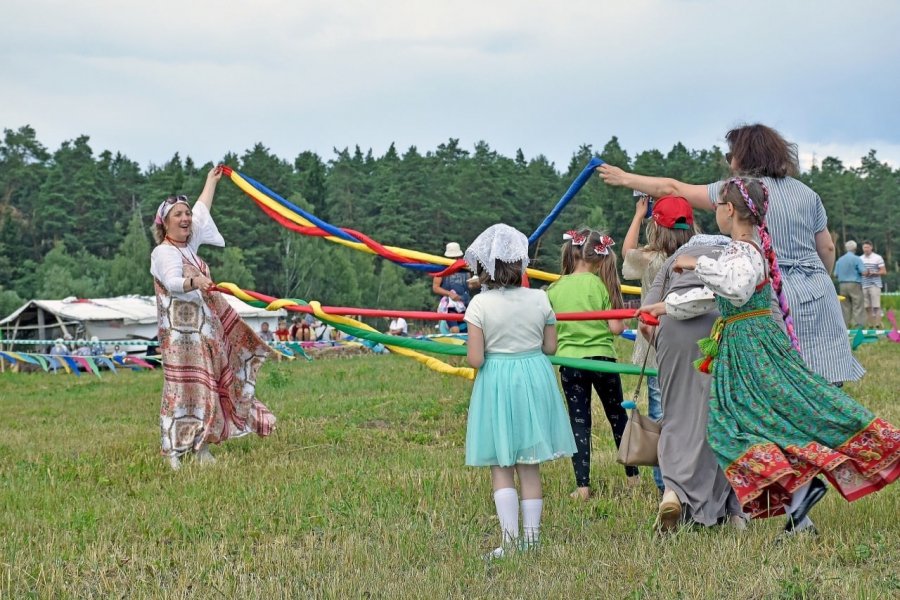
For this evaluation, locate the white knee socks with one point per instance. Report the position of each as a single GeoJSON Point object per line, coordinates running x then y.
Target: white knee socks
{"type": "Point", "coordinates": [507, 502]}
{"type": "Point", "coordinates": [531, 520]}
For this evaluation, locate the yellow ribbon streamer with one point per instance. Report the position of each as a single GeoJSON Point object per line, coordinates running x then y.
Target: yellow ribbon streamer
{"type": "Point", "coordinates": [285, 212]}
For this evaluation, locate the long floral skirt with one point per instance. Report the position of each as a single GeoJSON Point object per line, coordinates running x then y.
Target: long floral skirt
{"type": "Point", "coordinates": [774, 424]}
{"type": "Point", "coordinates": [210, 361]}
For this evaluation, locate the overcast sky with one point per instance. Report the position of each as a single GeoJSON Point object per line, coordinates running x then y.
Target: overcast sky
{"type": "Point", "coordinates": [203, 78]}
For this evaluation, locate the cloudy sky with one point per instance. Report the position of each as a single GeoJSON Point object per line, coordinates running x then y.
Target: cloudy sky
{"type": "Point", "coordinates": [203, 78]}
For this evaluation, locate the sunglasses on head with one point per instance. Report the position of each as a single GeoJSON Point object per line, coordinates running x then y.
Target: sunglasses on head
{"type": "Point", "coordinates": [178, 198]}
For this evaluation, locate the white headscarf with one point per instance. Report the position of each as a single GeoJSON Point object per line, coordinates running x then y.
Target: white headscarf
{"type": "Point", "coordinates": [497, 242]}
{"type": "Point", "coordinates": [166, 205]}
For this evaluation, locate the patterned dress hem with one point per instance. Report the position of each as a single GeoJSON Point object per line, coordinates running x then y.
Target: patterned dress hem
{"type": "Point", "coordinates": [765, 477]}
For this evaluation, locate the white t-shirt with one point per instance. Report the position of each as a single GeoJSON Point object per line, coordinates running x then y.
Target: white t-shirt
{"type": "Point", "coordinates": [399, 324]}
{"type": "Point", "coordinates": [166, 263]}
{"type": "Point", "coordinates": [874, 263]}
{"type": "Point", "coordinates": [513, 319]}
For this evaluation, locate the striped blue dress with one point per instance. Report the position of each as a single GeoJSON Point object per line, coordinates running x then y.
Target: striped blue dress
{"type": "Point", "coordinates": [795, 216]}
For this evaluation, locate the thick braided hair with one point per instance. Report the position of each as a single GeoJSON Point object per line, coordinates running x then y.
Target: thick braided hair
{"type": "Point", "coordinates": [752, 201]}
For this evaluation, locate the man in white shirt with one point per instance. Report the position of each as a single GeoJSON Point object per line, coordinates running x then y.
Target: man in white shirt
{"type": "Point", "coordinates": [873, 269]}
{"type": "Point", "coordinates": [398, 327]}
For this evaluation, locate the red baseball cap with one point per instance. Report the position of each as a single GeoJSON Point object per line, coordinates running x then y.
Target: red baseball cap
{"type": "Point", "coordinates": [673, 212]}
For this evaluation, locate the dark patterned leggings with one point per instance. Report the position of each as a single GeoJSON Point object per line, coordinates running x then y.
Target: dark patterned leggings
{"type": "Point", "coordinates": [576, 386]}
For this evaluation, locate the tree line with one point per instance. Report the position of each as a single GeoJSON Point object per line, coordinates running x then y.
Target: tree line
{"type": "Point", "coordinates": [76, 223]}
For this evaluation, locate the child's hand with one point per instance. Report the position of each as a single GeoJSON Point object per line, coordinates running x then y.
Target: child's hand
{"type": "Point", "coordinates": [685, 263]}
{"type": "Point", "coordinates": [654, 309]}
{"type": "Point", "coordinates": [640, 207]}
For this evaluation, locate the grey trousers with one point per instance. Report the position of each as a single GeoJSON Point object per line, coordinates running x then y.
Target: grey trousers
{"type": "Point", "coordinates": [852, 306]}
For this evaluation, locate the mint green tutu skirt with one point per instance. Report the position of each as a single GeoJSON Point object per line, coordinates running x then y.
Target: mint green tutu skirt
{"type": "Point", "coordinates": [516, 414]}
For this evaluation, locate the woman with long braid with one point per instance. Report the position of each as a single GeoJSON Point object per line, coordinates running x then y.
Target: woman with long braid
{"type": "Point", "coordinates": [774, 425]}
{"type": "Point", "coordinates": [799, 227]}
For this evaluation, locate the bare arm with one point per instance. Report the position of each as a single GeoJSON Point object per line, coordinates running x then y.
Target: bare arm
{"type": "Point", "coordinates": [825, 249]}
{"type": "Point", "coordinates": [657, 310]}
{"type": "Point", "coordinates": [209, 188]}
{"type": "Point", "coordinates": [475, 346]}
{"type": "Point", "coordinates": [616, 326]}
{"type": "Point", "coordinates": [437, 289]}
{"type": "Point", "coordinates": [657, 186]}
{"type": "Point", "coordinates": [634, 230]}
{"type": "Point", "coordinates": [549, 345]}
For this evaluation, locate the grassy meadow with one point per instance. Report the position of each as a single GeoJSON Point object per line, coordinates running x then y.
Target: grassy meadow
{"type": "Point", "coordinates": [362, 493]}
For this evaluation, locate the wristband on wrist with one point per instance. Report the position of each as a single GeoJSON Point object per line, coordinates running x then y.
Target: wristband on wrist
{"type": "Point", "coordinates": [191, 283]}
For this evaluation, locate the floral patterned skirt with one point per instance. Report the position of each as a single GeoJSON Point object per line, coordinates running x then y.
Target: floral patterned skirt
{"type": "Point", "coordinates": [210, 361]}
{"type": "Point", "coordinates": [774, 424]}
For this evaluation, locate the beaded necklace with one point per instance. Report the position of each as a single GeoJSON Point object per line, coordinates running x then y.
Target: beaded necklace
{"type": "Point", "coordinates": [191, 258]}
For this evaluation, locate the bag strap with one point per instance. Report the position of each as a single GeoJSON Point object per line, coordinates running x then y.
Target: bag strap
{"type": "Point", "coordinates": [637, 389]}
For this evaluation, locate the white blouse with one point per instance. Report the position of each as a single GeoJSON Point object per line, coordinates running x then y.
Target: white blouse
{"type": "Point", "coordinates": [166, 260]}
{"type": "Point", "coordinates": [734, 276]}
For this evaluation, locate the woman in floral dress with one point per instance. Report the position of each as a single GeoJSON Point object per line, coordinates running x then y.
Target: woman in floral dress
{"type": "Point", "coordinates": [210, 356]}
{"type": "Point", "coordinates": [773, 424]}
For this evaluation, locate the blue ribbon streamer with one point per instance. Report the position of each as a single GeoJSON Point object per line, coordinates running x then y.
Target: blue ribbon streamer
{"type": "Point", "coordinates": [570, 193]}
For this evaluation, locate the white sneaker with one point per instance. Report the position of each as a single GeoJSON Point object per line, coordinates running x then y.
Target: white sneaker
{"type": "Point", "coordinates": [204, 457]}
{"type": "Point", "coordinates": [175, 462]}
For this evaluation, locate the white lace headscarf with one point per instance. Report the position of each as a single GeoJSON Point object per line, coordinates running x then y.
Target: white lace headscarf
{"type": "Point", "coordinates": [497, 242]}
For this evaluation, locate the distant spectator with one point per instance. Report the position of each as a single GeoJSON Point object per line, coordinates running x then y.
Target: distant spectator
{"type": "Point", "coordinates": [398, 326]}
{"type": "Point", "coordinates": [58, 349]}
{"type": "Point", "coordinates": [871, 283]}
{"type": "Point", "coordinates": [454, 287]}
{"type": "Point", "coordinates": [848, 270]}
{"type": "Point", "coordinates": [282, 334]}
{"type": "Point", "coordinates": [300, 330]}
{"type": "Point", "coordinates": [96, 346]}
{"type": "Point", "coordinates": [118, 352]}
{"type": "Point", "coordinates": [264, 333]}
{"type": "Point", "coordinates": [306, 328]}
{"type": "Point", "coordinates": [82, 348]}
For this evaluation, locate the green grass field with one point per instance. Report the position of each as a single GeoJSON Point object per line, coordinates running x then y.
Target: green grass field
{"type": "Point", "coordinates": [362, 492]}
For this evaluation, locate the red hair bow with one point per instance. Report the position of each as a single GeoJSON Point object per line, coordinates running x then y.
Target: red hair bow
{"type": "Point", "coordinates": [578, 239]}
{"type": "Point", "coordinates": [603, 246]}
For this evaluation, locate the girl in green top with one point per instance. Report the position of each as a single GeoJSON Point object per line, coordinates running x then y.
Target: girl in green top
{"type": "Point", "coordinates": [589, 282]}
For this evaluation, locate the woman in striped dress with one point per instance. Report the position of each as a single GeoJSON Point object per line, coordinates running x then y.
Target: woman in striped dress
{"type": "Point", "coordinates": [799, 229]}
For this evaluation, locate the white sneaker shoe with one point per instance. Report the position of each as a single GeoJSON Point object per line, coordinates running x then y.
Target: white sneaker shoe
{"type": "Point", "coordinates": [204, 457]}
{"type": "Point", "coordinates": [495, 554]}
{"type": "Point", "coordinates": [507, 549]}
{"type": "Point", "coordinates": [175, 462]}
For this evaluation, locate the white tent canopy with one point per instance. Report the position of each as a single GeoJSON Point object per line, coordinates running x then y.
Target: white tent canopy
{"type": "Point", "coordinates": [121, 318]}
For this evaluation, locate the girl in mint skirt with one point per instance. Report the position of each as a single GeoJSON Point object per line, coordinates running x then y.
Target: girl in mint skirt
{"type": "Point", "coordinates": [516, 417]}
